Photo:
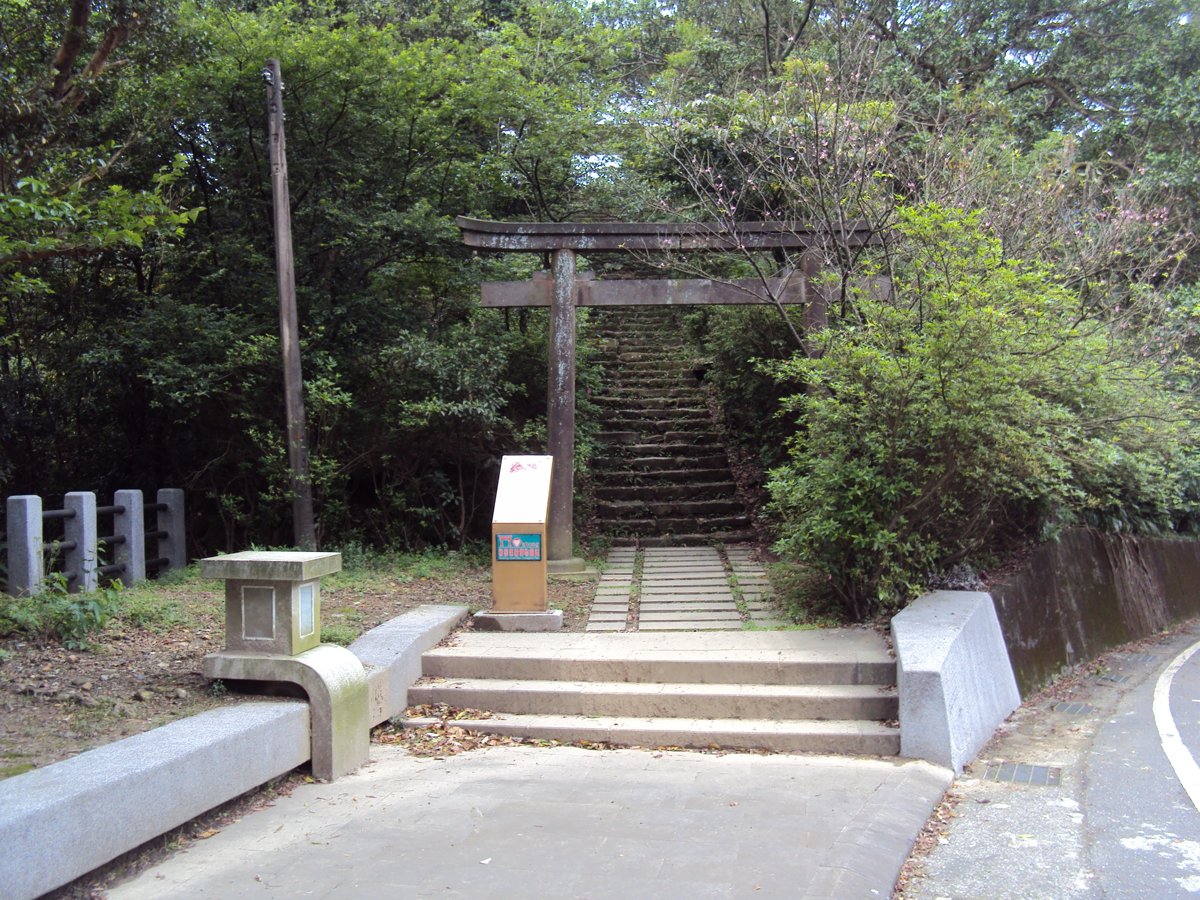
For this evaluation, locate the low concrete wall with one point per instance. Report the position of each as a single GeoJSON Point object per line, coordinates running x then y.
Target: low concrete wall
{"type": "Point", "coordinates": [1088, 592]}
{"type": "Point", "coordinates": [392, 652]}
{"type": "Point", "coordinates": [60, 822]}
{"type": "Point", "coordinates": [955, 680]}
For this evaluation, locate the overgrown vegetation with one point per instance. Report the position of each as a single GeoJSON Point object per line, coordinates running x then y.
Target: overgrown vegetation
{"type": "Point", "coordinates": [979, 405]}
{"type": "Point", "coordinates": [54, 614]}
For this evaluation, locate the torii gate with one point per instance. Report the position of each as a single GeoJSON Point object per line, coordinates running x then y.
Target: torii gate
{"type": "Point", "coordinates": [564, 292]}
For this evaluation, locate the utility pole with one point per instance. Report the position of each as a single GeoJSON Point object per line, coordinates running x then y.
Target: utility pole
{"type": "Point", "coordinates": [289, 334]}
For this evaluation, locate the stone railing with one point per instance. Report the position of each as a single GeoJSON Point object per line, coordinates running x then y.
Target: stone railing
{"type": "Point", "coordinates": [81, 551]}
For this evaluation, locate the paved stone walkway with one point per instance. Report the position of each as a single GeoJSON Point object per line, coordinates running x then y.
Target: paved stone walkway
{"type": "Point", "coordinates": [682, 589]}
{"type": "Point", "coordinates": [565, 823]}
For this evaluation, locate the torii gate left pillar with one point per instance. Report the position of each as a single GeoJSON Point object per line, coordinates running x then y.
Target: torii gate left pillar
{"type": "Point", "coordinates": [561, 417]}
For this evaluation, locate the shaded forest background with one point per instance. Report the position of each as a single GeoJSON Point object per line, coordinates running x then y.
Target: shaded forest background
{"type": "Point", "coordinates": [1031, 166]}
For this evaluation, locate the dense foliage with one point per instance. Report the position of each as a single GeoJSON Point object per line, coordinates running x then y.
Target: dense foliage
{"type": "Point", "coordinates": [968, 409]}
{"type": "Point", "coordinates": [1028, 168]}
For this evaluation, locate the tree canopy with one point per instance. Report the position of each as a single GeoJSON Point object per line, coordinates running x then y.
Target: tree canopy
{"type": "Point", "coordinates": [1031, 167]}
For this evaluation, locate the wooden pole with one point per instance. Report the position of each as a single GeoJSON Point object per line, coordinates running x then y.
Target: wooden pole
{"type": "Point", "coordinates": [561, 409]}
{"type": "Point", "coordinates": [303, 524]}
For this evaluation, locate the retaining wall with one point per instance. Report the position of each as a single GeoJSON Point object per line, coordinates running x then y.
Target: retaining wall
{"type": "Point", "coordinates": [1088, 592]}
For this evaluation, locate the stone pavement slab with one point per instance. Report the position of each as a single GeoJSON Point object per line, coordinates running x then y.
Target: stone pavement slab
{"type": "Point", "coordinates": [683, 589]}
{"type": "Point", "coordinates": [570, 823]}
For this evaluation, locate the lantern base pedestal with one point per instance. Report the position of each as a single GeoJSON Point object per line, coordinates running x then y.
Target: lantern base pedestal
{"type": "Point", "coordinates": [336, 685]}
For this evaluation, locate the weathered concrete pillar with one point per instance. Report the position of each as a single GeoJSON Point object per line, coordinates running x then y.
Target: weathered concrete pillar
{"type": "Point", "coordinates": [130, 525]}
{"type": "Point", "coordinates": [25, 568]}
{"type": "Point", "coordinates": [561, 409]}
{"type": "Point", "coordinates": [80, 529]}
{"type": "Point", "coordinates": [172, 548]}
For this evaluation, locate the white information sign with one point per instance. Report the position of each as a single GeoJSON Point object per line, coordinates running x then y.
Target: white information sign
{"type": "Point", "coordinates": [523, 494]}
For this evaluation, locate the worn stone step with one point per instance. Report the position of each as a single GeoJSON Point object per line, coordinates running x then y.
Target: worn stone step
{"type": "Point", "coordinates": [858, 738]}
{"type": "Point", "coordinates": [671, 441]}
{"type": "Point", "coordinates": [667, 373]}
{"type": "Point", "coordinates": [631, 403]}
{"type": "Point", "coordinates": [671, 700]}
{"type": "Point", "coordinates": [683, 539]}
{"type": "Point", "coordinates": [630, 477]}
{"type": "Point", "coordinates": [665, 393]}
{"type": "Point", "coordinates": [700, 529]}
{"type": "Point", "coordinates": [668, 509]}
{"type": "Point", "coordinates": [684, 450]}
{"type": "Point", "coordinates": [644, 463]}
{"type": "Point", "coordinates": [664, 489]}
{"type": "Point", "coordinates": [657, 419]}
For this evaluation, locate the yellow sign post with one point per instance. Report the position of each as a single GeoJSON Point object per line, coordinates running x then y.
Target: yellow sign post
{"type": "Point", "coordinates": [520, 554]}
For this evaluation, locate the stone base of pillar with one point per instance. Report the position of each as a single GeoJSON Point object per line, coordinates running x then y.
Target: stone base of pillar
{"type": "Point", "coordinates": [573, 566]}
{"type": "Point", "coordinates": [551, 620]}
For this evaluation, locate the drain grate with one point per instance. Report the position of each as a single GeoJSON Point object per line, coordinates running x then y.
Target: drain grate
{"type": "Point", "coordinates": [1022, 773]}
{"type": "Point", "coordinates": [1073, 709]}
{"type": "Point", "coordinates": [1141, 658]}
{"type": "Point", "coordinates": [1114, 679]}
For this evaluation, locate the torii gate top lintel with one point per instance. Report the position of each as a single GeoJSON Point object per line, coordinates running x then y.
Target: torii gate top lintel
{"type": "Point", "coordinates": [650, 236]}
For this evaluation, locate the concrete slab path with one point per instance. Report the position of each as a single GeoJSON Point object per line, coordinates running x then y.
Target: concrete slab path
{"type": "Point", "coordinates": [682, 589]}
{"type": "Point", "coordinates": [565, 822]}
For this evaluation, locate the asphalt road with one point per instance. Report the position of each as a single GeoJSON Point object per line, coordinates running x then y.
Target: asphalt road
{"type": "Point", "coordinates": [1120, 822]}
{"type": "Point", "coordinates": [1143, 830]}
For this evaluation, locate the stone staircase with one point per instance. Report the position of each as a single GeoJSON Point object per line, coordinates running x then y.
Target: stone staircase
{"type": "Point", "coordinates": [829, 691]}
{"type": "Point", "coordinates": [661, 476]}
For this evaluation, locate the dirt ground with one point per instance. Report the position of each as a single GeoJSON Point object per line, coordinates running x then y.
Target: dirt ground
{"type": "Point", "coordinates": [56, 702]}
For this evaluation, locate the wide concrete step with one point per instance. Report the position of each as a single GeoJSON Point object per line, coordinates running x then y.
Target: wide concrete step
{"type": "Point", "coordinates": [850, 737]}
{"type": "Point", "coordinates": [657, 700]}
{"type": "Point", "coordinates": [829, 656]}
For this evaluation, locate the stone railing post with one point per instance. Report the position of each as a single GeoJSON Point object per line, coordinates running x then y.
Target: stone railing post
{"type": "Point", "coordinates": [25, 567]}
{"type": "Point", "coordinates": [131, 525]}
{"type": "Point", "coordinates": [172, 548]}
{"type": "Point", "coordinates": [80, 529]}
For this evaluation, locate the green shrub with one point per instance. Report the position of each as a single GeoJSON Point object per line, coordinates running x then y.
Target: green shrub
{"type": "Point", "coordinates": [55, 614]}
{"type": "Point", "coordinates": [978, 405]}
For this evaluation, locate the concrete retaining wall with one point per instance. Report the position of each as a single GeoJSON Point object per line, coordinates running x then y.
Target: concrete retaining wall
{"type": "Point", "coordinates": [955, 680]}
{"type": "Point", "coordinates": [60, 822]}
{"type": "Point", "coordinates": [1088, 592]}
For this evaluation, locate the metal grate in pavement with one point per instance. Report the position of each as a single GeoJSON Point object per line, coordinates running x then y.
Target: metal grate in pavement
{"type": "Point", "coordinates": [1114, 679]}
{"type": "Point", "coordinates": [1073, 709]}
{"type": "Point", "coordinates": [1023, 773]}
